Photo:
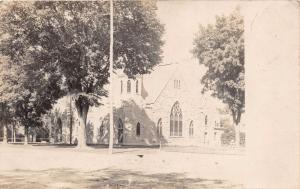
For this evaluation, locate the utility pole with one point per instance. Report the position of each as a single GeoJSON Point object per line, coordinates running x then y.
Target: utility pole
{"type": "Point", "coordinates": [111, 116]}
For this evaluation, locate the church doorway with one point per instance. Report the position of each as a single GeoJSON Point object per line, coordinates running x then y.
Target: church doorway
{"type": "Point", "coordinates": [159, 128]}
{"type": "Point", "coordinates": [120, 131]}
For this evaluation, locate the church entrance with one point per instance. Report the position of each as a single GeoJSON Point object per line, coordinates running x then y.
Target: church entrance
{"type": "Point", "coordinates": [120, 131]}
{"type": "Point", "coordinates": [159, 128]}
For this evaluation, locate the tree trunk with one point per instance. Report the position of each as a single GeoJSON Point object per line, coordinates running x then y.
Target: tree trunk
{"type": "Point", "coordinates": [25, 135]}
{"type": "Point", "coordinates": [71, 132]}
{"type": "Point", "coordinates": [71, 120]}
{"type": "Point", "coordinates": [236, 120]}
{"type": "Point", "coordinates": [50, 134]}
{"type": "Point", "coordinates": [82, 110]}
{"type": "Point", "coordinates": [14, 134]}
{"type": "Point", "coordinates": [4, 134]}
{"type": "Point", "coordinates": [237, 134]}
{"type": "Point", "coordinates": [34, 137]}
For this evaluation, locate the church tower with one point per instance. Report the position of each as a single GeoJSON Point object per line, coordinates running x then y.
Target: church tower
{"type": "Point", "coordinates": [128, 89]}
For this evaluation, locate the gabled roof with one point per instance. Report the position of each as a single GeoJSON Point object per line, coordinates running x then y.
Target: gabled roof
{"type": "Point", "coordinates": [189, 72]}
{"type": "Point", "coordinates": [155, 82]}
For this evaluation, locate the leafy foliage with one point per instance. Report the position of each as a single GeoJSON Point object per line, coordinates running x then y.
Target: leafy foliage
{"type": "Point", "coordinates": [137, 37]}
{"type": "Point", "coordinates": [220, 48]}
{"type": "Point", "coordinates": [60, 47]}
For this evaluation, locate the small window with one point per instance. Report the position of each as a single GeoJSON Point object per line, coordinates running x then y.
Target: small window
{"type": "Point", "coordinates": [215, 135]}
{"type": "Point", "coordinates": [138, 129]}
{"type": "Point", "coordinates": [191, 129]}
{"type": "Point", "coordinates": [206, 119]}
{"type": "Point", "coordinates": [128, 86]}
{"type": "Point", "coordinates": [137, 86]}
{"type": "Point", "coordinates": [177, 84]}
{"type": "Point", "coordinates": [121, 87]}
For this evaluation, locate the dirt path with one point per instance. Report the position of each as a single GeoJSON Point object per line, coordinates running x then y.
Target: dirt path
{"type": "Point", "coordinates": [46, 167]}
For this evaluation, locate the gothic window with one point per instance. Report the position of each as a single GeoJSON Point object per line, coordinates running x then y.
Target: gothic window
{"type": "Point", "coordinates": [128, 86]}
{"type": "Point", "coordinates": [176, 120]}
{"type": "Point", "coordinates": [180, 125]}
{"type": "Point", "coordinates": [191, 129]}
{"type": "Point", "coordinates": [137, 86]}
{"type": "Point", "coordinates": [121, 87]}
{"type": "Point", "coordinates": [138, 129]}
{"type": "Point", "coordinates": [171, 124]}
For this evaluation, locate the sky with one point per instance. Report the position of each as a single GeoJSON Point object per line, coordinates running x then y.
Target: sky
{"type": "Point", "coordinates": [182, 20]}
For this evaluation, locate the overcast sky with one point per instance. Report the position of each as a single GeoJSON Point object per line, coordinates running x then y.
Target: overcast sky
{"type": "Point", "coordinates": [182, 19]}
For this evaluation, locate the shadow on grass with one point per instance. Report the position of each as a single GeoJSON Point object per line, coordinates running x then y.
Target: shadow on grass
{"type": "Point", "coordinates": [106, 178]}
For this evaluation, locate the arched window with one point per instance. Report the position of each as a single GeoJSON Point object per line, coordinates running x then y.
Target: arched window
{"type": "Point", "coordinates": [180, 125]}
{"type": "Point", "coordinates": [159, 128]}
{"type": "Point", "coordinates": [176, 120]}
{"type": "Point", "coordinates": [205, 138]}
{"type": "Point", "coordinates": [128, 86]}
{"type": "Point", "coordinates": [206, 119]}
{"type": "Point", "coordinates": [120, 131]}
{"type": "Point", "coordinates": [191, 129]}
{"type": "Point", "coordinates": [137, 86]}
{"type": "Point", "coordinates": [138, 129]}
{"type": "Point", "coordinates": [101, 130]}
{"type": "Point", "coordinates": [121, 87]}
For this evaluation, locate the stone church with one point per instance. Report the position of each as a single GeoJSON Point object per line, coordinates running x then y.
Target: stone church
{"type": "Point", "coordinates": [165, 107]}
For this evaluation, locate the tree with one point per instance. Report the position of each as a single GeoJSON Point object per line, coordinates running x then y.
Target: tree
{"type": "Point", "coordinates": [220, 47]}
{"type": "Point", "coordinates": [69, 42]}
{"type": "Point", "coordinates": [7, 93]}
{"type": "Point", "coordinates": [137, 37]}
{"type": "Point", "coordinates": [25, 94]}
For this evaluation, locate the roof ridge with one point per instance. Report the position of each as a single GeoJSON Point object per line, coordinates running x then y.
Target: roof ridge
{"type": "Point", "coordinates": [164, 86]}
